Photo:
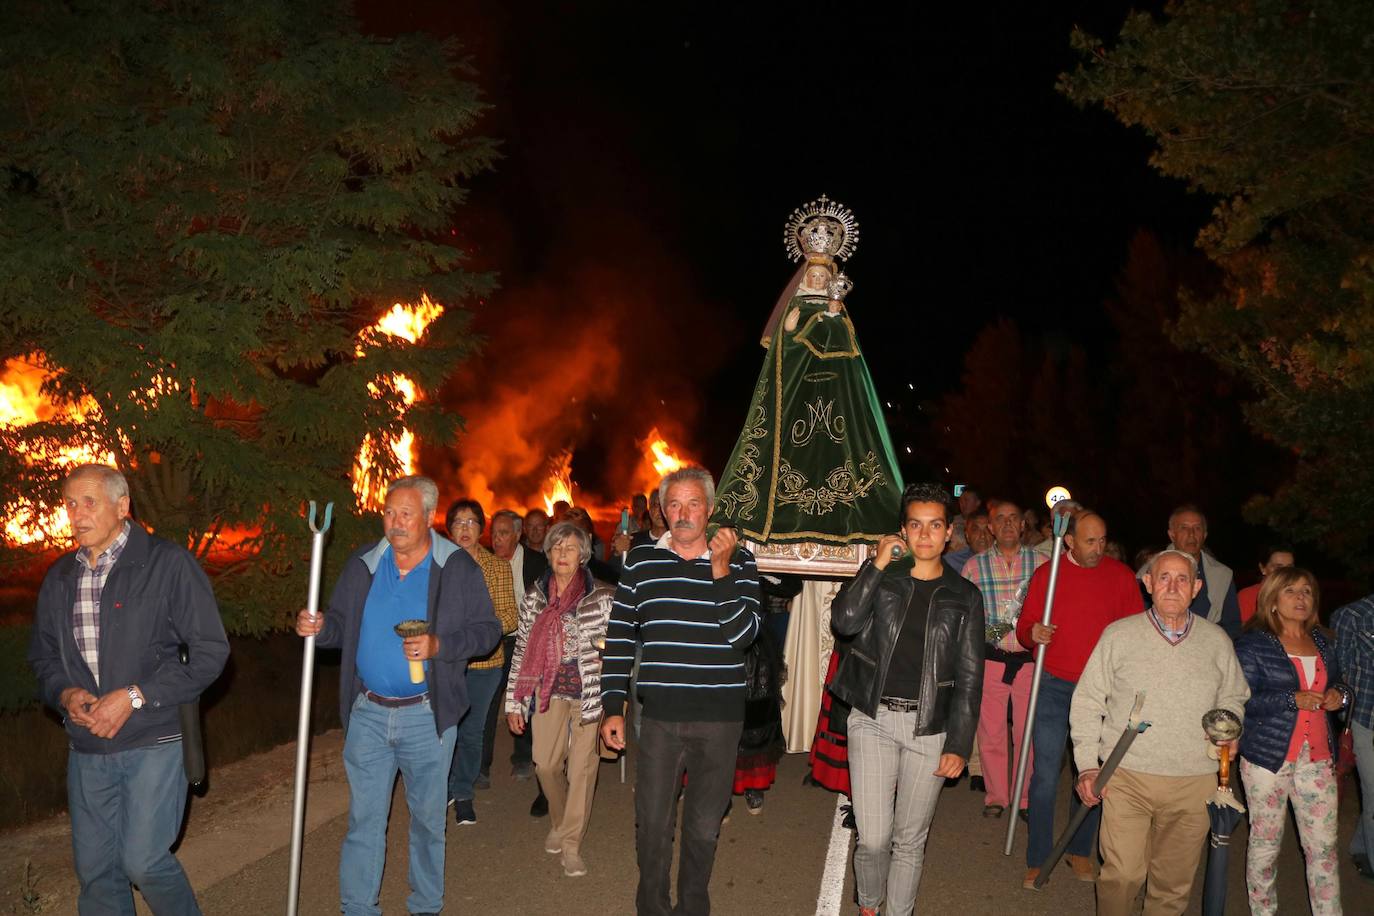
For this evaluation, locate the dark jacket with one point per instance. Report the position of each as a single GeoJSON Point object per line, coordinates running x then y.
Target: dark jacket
{"type": "Point", "coordinates": [459, 612]}
{"type": "Point", "coordinates": [533, 566]}
{"type": "Point", "coordinates": [1271, 713]}
{"type": "Point", "coordinates": [872, 607]}
{"type": "Point", "coordinates": [155, 597]}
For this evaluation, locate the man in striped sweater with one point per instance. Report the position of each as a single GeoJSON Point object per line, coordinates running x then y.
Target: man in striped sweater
{"type": "Point", "coordinates": [694, 607]}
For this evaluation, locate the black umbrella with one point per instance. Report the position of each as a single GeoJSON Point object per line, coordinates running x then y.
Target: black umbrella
{"type": "Point", "coordinates": [1223, 810]}
{"type": "Point", "coordinates": [1134, 726]}
{"type": "Point", "coordinates": [192, 743]}
{"type": "Point", "coordinates": [1224, 819]}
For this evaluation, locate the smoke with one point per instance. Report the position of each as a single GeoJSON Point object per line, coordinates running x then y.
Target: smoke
{"type": "Point", "coordinates": [588, 359]}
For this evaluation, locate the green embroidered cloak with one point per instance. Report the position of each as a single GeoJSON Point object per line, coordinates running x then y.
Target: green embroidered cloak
{"type": "Point", "coordinates": [814, 462]}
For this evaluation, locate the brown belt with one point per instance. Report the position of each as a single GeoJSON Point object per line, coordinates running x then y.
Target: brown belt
{"type": "Point", "coordinates": [395, 702]}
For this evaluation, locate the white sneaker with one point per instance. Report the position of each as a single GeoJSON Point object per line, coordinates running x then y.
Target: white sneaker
{"type": "Point", "coordinates": [573, 866]}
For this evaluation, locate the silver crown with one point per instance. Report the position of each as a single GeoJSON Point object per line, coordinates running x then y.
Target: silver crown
{"type": "Point", "coordinates": [839, 287]}
{"type": "Point", "coordinates": [821, 227]}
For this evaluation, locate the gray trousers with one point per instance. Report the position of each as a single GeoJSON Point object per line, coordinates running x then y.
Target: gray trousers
{"type": "Point", "coordinates": [706, 752]}
{"type": "Point", "coordinates": [891, 776]}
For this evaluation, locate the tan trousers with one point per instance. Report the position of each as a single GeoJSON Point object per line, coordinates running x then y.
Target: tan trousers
{"type": "Point", "coordinates": [1154, 829]}
{"type": "Point", "coordinates": [562, 741]}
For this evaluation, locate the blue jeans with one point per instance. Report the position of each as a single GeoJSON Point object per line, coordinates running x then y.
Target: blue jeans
{"type": "Point", "coordinates": [381, 741]}
{"type": "Point", "coordinates": [126, 811]}
{"type": "Point", "coordinates": [467, 758]}
{"type": "Point", "coordinates": [1048, 739]}
{"type": "Point", "coordinates": [1362, 842]}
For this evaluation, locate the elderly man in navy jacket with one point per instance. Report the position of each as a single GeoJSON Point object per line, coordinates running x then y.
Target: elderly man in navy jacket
{"type": "Point", "coordinates": [110, 618]}
{"type": "Point", "coordinates": [391, 723]}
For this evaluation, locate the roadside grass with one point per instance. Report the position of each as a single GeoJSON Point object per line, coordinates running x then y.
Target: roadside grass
{"type": "Point", "coordinates": [252, 707]}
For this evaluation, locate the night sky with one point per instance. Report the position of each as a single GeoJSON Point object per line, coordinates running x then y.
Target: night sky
{"type": "Point", "coordinates": [653, 153]}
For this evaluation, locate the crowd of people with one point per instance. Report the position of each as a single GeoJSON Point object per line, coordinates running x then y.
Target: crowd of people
{"type": "Point", "coordinates": [558, 637]}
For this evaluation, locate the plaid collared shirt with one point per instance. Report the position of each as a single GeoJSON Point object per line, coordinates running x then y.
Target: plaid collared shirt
{"type": "Point", "coordinates": [1354, 626]}
{"type": "Point", "coordinates": [1002, 583]}
{"type": "Point", "coordinates": [1173, 636]}
{"type": "Point", "coordinates": [86, 611]}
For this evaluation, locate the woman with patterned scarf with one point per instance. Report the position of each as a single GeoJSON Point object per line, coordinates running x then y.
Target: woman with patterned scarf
{"type": "Point", "coordinates": [556, 676]}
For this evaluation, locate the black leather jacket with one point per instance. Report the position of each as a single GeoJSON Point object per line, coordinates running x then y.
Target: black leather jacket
{"type": "Point", "coordinates": [872, 607]}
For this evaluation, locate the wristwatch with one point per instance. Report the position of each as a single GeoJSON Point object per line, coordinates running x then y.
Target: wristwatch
{"type": "Point", "coordinates": [135, 697]}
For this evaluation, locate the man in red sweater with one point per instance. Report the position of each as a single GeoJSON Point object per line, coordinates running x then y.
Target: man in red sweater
{"type": "Point", "coordinates": [1093, 591]}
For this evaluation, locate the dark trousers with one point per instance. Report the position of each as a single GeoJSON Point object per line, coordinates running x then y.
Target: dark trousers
{"type": "Point", "coordinates": [497, 713]}
{"type": "Point", "coordinates": [706, 752]}
{"type": "Point", "coordinates": [1050, 735]}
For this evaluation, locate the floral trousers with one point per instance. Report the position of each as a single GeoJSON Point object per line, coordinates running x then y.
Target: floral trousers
{"type": "Point", "coordinates": [1311, 787]}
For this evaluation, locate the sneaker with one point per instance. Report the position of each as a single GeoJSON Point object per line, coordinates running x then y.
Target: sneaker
{"type": "Point", "coordinates": [1028, 882]}
{"type": "Point", "coordinates": [463, 812]}
{"type": "Point", "coordinates": [1082, 867]}
{"type": "Point", "coordinates": [573, 866]}
{"type": "Point", "coordinates": [552, 844]}
{"type": "Point", "coordinates": [483, 781]}
{"type": "Point", "coordinates": [754, 799]}
{"type": "Point", "coordinates": [522, 771]}
{"type": "Point", "coordinates": [540, 806]}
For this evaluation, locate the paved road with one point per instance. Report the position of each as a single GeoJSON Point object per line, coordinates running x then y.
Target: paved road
{"type": "Point", "coordinates": [236, 853]}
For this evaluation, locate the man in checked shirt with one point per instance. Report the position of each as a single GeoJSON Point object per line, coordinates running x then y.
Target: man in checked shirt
{"type": "Point", "coordinates": [110, 618]}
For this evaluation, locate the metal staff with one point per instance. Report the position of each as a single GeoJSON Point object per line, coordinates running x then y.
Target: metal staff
{"type": "Point", "coordinates": [303, 728]}
{"type": "Point", "coordinates": [1061, 524]}
{"type": "Point", "coordinates": [1134, 726]}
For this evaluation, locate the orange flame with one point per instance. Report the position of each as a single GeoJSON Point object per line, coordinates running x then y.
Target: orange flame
{"type": "Point", "coordinates": [407, 322]}
{"type": "Point", "coordinates": [560, 482]}
{"type": "Point", "coordinates": [23, 404]}
{"type": "Point", "coordinates": [664, 460]}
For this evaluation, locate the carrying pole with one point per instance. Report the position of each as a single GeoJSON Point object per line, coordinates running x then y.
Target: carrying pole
{"type": "Point", "coordinates": [303, 726]}
{"type": "Point", "coordinates": [1061, 524]}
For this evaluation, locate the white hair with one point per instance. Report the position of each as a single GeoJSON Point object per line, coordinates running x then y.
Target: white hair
{"type": "Point", "coordinates": [562, 532]}
{"type": "Point", "coordinates": [429, 491]}
{"type": "Point", "coordinates": [688, 474]}
{"type": "Point", "coordinates": [116, 487]}
{"type": "Point", "coordinates": [1171, 552]}
{"type": "Point", "coordinates": [515, 520]}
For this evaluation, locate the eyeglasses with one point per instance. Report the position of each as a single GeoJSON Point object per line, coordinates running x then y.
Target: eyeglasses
{"type": "Point", "coordinates": [466, 523]}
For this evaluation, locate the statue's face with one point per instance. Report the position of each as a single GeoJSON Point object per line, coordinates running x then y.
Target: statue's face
{"type": "Point", "coordinates": [816, 277]}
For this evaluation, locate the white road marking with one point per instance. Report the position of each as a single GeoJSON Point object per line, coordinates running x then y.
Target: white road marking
{"type": "Point", "coordinates": [836, 864]}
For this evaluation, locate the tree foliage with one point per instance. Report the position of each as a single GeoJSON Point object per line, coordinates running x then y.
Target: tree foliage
{"type": "Point", "coordinates": [1268, 105]}
{"type": "Point", "coordinates": [207, 207]}
{"type": "Point", "coordinates": [1133, 427]}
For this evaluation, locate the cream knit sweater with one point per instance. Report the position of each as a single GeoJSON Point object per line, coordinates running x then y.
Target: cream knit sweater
{"type": "Point", "coordinates": [1180, 683]}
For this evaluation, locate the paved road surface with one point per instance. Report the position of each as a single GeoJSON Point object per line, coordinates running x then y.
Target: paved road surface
{"type": "Point", "coordinates": [237, 854]}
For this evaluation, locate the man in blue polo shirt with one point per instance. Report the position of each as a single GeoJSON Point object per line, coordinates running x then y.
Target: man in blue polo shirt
{"type": "Point", "coordinates": [391, 723]}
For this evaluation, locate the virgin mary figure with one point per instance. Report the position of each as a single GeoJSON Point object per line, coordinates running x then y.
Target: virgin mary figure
{"type": "Point", "coordinates": [813, 481]}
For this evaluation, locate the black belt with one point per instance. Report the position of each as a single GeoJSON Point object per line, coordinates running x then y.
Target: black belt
{"type": "Point", "coordinates": [395, 702]}
{"type": "Point", "coordinates": [899, 704]}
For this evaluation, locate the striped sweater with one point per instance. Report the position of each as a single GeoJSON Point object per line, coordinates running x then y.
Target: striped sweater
{"type": "Point", "coordinates": [693, 628]}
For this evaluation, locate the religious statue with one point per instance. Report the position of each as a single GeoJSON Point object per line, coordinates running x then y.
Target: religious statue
{"type": "Point", "coordinates": [813, 481]}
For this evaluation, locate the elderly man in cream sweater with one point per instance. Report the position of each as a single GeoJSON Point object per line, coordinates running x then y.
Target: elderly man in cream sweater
{"type": "Point", "coordinates": [1154, 817]}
